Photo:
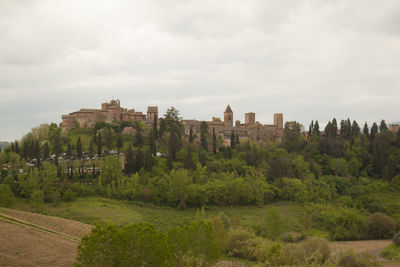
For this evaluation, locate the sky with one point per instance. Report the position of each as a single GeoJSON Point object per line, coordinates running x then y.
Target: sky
{"type": "Point", "coordinates": [310, 60]}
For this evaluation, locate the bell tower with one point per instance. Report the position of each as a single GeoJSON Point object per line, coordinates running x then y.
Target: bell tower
{"type": "Point", "coordinates": [228, 117]}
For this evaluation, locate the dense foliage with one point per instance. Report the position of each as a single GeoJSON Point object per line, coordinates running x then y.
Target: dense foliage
{"type": "Point", "coordinates": [339, 175]}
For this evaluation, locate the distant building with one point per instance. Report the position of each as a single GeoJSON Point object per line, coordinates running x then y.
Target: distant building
{"type": "Point", "coordinates": [394, 127]}
{"type": "Point", "coordinates": [109, 112]}
{"type": "Point", "coordinates": [250, 129]}
{"type": "Point", "coordinates": [112, 111]}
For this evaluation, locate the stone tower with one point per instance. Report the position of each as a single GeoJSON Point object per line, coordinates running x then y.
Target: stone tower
{"type": "Point", "coordinates": [250, 118]}
{"type": "Point", "coordinates": [278, 120]}
{"type": "Point", "coordinates": [152, 111]}
{"type": "Point", "coordinates": [228, 117]}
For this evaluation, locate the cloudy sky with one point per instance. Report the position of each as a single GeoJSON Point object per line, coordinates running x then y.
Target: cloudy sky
{"type": "Point", "coordinates": [307, 59]}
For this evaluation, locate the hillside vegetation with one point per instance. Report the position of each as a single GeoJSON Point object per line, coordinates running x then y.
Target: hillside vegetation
{"type": "Point", "coordinates": [340, 183]}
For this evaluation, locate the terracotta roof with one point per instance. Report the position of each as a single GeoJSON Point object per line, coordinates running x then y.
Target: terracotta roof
{"type": "Point", "coordinates": [228, 109]}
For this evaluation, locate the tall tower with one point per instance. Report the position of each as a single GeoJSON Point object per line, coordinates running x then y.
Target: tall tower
{"type": "Point", "coordinates": [250, 118]}
{"type": "Point", "coordinates": [278, 120]}
{"type": "Point", "coordinates": [228, 117]}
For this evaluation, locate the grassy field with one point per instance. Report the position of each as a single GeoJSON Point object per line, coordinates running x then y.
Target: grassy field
{"type": "Point", "coordinates": [98, 210]}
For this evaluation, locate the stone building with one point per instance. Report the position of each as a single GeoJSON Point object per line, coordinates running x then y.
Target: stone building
{"type": "Point", "coordinates": [109, 112]}
{"type": "Point", "coordinates": [250, 129]}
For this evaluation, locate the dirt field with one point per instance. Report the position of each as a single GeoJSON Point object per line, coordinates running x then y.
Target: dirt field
{"type": "Point", "coordinates": [28, 239]}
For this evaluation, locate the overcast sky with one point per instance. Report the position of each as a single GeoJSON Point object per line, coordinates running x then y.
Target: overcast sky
{"type": "Point", "coordinates": [310, 60]}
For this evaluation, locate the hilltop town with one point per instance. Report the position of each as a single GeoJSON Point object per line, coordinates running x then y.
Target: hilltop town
{"type": "Point", "coordinates": [112, 112]}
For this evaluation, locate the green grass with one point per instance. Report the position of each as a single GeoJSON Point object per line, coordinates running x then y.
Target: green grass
{"type": "Point", "coordinates": [391, 252]}
{"type": "Point", "coordinates": [99, 210]}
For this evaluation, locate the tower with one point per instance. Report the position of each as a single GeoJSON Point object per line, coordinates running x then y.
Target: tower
{"type": "Point", "coordinates": [278, 120]}
{"type": "Point", "coordinates": [152, 111]}
{"type": "Point", "coordinates": [250, 118]}
{"type": "Point", "coordinates": [228, 117]}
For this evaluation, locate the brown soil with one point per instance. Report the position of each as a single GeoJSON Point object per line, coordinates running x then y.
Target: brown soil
{"type": "Point", "coordinates": [61, 225]}
{"type": "Point", "coordinates": [24, 246]}
{"type": "Point", "coordinates": [29, 239]}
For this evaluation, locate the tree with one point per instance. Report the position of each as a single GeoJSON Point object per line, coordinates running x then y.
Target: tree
{"type": "Point", "coordinates": [120, 144]}
{"type": "Point", "coordinates": [334, 128]}
{"type": "Point", "coordinates": [91, 149]}
{"type": "Point", "coordinates": [191, 135]}
{"type": "Point", "coordinates": [108, 138]}
{"type": "Point", "coordinates": [315, 132]}
{"type": "Point", "coordinates": [188, 160]}
{"type": "Point", "coordinates": [57, 148]}
{"type": "Point", "coordinates": [355, 129]}
{"type": "Point", "coordinates": [148, 160]}
{"type": "Point", "coordinates": [379, 226]}
{"type": "Point", "coordinates": [129, 161]}
{"type": "Point", "coordinates": [366, 130]}
{"type": "Point", "coordinates": [110, 170]}
{"type": "Point", "coordinates": [46, 150]}
{"type": "Point", "coordinates": [7, 198]}
{"type": "Point", "coordinates": [383, 127]}
{"type": "Point", "coordinates": [374, 130]}
{"type": "Point", "coordinates": [139, 160]}
{"type": "Point", "coordinates": [155, 127]}
{"type": "Point", "coordinates": [79, 147]}
{"type": "Point", "coordinates": [203, 135]}
{"type": "Point", "coordinates": [138, 137]}
{"type": "Point", "coordinates": [232, 139]}
{"type": "Point", "coordinates": [99, 144]}
{"type": "Point", "coordinates": [291, 136]}
{"type": "Point", "coordinates": [214, 142]}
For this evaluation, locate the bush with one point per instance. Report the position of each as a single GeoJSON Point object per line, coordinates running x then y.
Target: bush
{"type": "Point", "coordinates": [396, 239]}
{"type": "Point", "coordinates": [350, 259]}
{"type": "Point", "coordinates": [243, 243]}
{"type": "Point", "coordinates": [7, 198]}
{"type": "Point", "coordinates": [379, 225]}
{"type": "Point", "coordinates": [310, 251]}
{"type": "Point", "coordinates": [291, 237]}
{"type": "Point", "coordinates": [69, 195]}
{"type": "Point", "coordinates": [391, 252]}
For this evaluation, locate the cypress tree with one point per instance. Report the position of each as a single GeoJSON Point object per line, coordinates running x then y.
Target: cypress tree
{"type": "Point", "coordinates": [366, 130]}
{"type": "Point", "coordinates": [46, 150]}
{"type": "Point", "coordinates": [191, 135]}
{"type": "Point", "coordinates": [374, 130]}
{"type": "Point", "coordinates": [99, 144]}
{"type": "Point", "coordinates": [188, 162]}
{"type": "Point", "coordinates": [232, 139]}
{"type": "Point", "coordinates": [315, 132]}
{"type": "Point", "coordinates": [148, 160]}
{"type": "Point", "coordinates": [355, 129]}
{"type": "Point", "coordinates": [155, 130]}
{"type": "Point", "coordinates": [91, 149]}
{"type": "Point", "coordinates": [334, 128]}
{"type": "Point", "coordinates": [214, 144]}
{"type": "Point", "coordinates": [383, 127]}
{"type": "Point", "coordinates": [129, 161]}
{"type": "Point", "coordinates": [138, 137]}
{"type": "Point", "coordinates": [203, 135]}
{"type": "Point", "coordinates": [398, 138]}
{"type": "Point", "coordinates": [79, 147]}
{"type": "Point", "coordinates": [139, 160]}
{"type": "Point", "coordinates": [119, 144]}
{"type": "Point", "coordinates": [328, 130]}
{"type": "Point", "coordinates": [237, 142]}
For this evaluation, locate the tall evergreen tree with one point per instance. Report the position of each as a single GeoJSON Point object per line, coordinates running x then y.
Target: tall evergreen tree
{"type": "Point", "coordinates": [355, 129]}
{"type": "Point", "coordinates": [316, 133]}
{"type": "Point", "coordinates": [91, 148]}
{"type": "Point", "coordinates": [138, 137]}
{"type": "Point", "coordinates": [129, 165]}
{"type": "Point", "coordinates": [191, 135]}
{"type": "Point", "coordinates": [214, 142]}
{"type": "Point", "coordinates": [108, 139]}
{"type": "Point", "coordinates": [46, 150]}
{"type": "Point", "coordinates": [148, 160]}
{"type": "Point", "coordinates": [203, 135]}
{"type": "Point", "coordinates": [155, 128]}
{"type": "Point", "coordinates": [139, 160]}
{"type": "Point", "coordinates": [188, 161]}
{"type": "Point", "coordinates": [119, 144]}
{"type": "Point", "coordinates": [232, 139]}
{"type": "Point", "coordinates": [334, 128]}
{"type": "Point", "coordinates": [374, 130]}
{"type": "Point", "coordinates": [366, 130]}
{"type": "Point", "coordinates": [383, 127]}
{"type": "Point", "coordinates": [99, 144]}
{"type": "Point", "coordinates": [79, 147]}
{"type": "Point", "coordinates": [69, 149]}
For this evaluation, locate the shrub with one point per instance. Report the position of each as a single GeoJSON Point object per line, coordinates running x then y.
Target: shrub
{"type": "Point", "coordinates": [350, 259]}
{"type": "Point", "coordinates": [379, 225]}
{"type": "Point", "coordinates": [7, 197]}
{"type": "Point", "coordinates": [396, 239]}
{"type": "Point", "coordinates": [310, 251]}
{"type": "Point", "coordinates": [69, 195]}
{"type": "Point", "coordinates": [391, 252]}
{"type": "Point", "coordinates": [291, 237]}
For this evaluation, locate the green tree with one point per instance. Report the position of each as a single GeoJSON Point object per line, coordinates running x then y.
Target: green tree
{"type": "Point", "coordinates": [383, 127]}
{"type": "Point", "coordinates": [79, 147]}
{"type": "Point", "coordinates": [120, 144]}
{"type": "Point", "coordinates": [110, 170]}
{"type": "Point", "coordinates": [138, 137]}
{"type": "Point", "coordinates": [214, 142]}
{"type": "Point", "coordinates": [129, 161]}
{"type": "Point", "coordinates": [374, 130]}
{"type": "Point", "coordinates": [203, 135]}
{"type": "Point", "coordinates": [232, 139]}
{"type": "Point", "coordinates": [99, 144]}
{"type": "Point", "coordinates": [273, 223]}
{"type": "Point", "coordinates": [366, 130]}
{"type": "Point", "coordinates": [7, 198]}
{"type": "Point", "coordinates": [191, 135]}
